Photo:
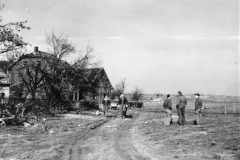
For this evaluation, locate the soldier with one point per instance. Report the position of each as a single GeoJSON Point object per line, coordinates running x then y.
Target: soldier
{"type": "Point", "coordinates": [106, 104]}
{"type": "Point", "coordinates": [123, 104]}
{"type": "Point", "coordinates": [167, 105]}
{"type": "Point", "coordinates": [181, 103]}
{"type": "Point", "coordinates": [198, 107]}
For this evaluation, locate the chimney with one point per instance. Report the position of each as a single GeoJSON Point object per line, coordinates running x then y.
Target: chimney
{"type": "Point", "coordinates": [35, 48]}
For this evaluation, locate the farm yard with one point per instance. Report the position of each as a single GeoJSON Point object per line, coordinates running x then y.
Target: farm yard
{"type": "Point", "coordinates": [141, 135]}
{"type": "Point", "coordinates": [69, 70]}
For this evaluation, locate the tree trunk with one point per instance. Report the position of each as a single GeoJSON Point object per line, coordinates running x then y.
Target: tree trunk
{"type": "Point", "coordinates": [33, 93]}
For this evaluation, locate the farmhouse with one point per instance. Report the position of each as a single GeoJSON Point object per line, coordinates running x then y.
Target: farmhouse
{"type": "Point", "coordinates": [100, 83]}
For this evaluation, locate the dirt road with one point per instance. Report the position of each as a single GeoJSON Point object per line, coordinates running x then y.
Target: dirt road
{"type": "Point", "coordinates": [143, 137]}
{"type": "Point", "coordinates": [140, 137]}
{"type": "Point", "coordinates": [112, 140]}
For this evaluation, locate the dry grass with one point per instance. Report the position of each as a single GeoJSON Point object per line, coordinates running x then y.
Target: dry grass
{"type": "Point", "coordinates": [216, 138]}
{"type": "Point", "coordinates": [213, 106]}
{"type": "Point", "coordinates": [18, 143]}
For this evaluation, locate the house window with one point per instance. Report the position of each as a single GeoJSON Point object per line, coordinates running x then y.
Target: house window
{"type": "Point", "coordinates": [76, 95]}
{"type": "Point", "coordinates": [2, 95]}
{"type": "Point", "coordinates": [105, 87]}
{"type": "Point", "coordinates": [71, 96]}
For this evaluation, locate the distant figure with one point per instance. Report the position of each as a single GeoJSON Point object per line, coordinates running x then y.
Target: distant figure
{"type": "Point", "coordinates": [167, 105]}
{"type": "Point", "coordinates": [181, 103]}
{"type": "Point", "coordinates": [198, 107]}
{"type": "Point", "coordinates": [106, 104]}
{"type": "Point", "coordinates": [123, 104]}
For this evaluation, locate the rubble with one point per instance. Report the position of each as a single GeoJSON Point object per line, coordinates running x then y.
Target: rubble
{"type": "Point", "coordinates": [2, 123]}
{"type": "Point", "coordinates": [26, 124]}
{"type": "Point", "coordinates": [37, 128]}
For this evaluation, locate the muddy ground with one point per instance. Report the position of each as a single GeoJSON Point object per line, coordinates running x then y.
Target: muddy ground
{"type": "Point", "coordinates": [140, 136]}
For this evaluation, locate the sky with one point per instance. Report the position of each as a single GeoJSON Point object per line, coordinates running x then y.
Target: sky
{"type": "Point", "coordinates": [159, 46]}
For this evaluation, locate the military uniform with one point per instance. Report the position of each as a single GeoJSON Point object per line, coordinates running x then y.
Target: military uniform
{"type": "Point", "coordinates": [123, 103]}
{"type": "Point", "coordinates": [181, 103]}
{"type": "Point", "coordinates": [106, 103]}
{"type": "Point", "coordinates": [198, 107]}
{"type": "Point", "coordinates": [167, 105]}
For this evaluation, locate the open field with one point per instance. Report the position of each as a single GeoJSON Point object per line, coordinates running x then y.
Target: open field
{"type": "Point", "coordinates": [214, 106]}
{"type": "Point", "coordinates": [216, 138]}
{"type": "Point", "coordinates": [141, 136]}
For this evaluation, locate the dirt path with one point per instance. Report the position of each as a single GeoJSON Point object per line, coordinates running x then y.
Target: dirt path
{"type": "Point", "coordinates": [112, 140]}
{"type": "Point", "coordinates": [72, 149]}
{"type": "Point", "coordinates": [123, 142]}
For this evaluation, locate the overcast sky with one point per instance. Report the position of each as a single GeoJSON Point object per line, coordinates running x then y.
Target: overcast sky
{"type": "Point", "coordinates": [158, 45]}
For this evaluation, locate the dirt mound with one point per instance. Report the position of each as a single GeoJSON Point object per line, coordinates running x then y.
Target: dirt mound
{"type": "Point", "coordinates": [37, 128]}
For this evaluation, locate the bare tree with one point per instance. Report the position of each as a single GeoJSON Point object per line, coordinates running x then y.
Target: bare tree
{"type": "Point", "coordinates": [119, 88]}
{"type": "Point", "coordinates": [137, 95]}
{"type": "Point", "coordinates": [9, 38]}
{"type": "Point", "coordinates": [87, 59]}
{"type": "Point", "coordinates": [59, 45]}
{"type": "Point", "coordinates": [79, 75]}
{"type": "Point", "coordinates": [86, 71]}
{"type": "Point", "coordinates": [49, 72]}
{"type": "Point", "coordinates": [31, 76]}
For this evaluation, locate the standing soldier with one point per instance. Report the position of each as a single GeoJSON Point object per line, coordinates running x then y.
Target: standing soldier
{"type": "Point", "coordinates": [181, 103]}
{"type": "Point", "coordinates": [198, 107]}
{"type": "Point", "coordinates": [106, 104]}
{"type": "Point", "coordinates": [167, 105]}
{"type": "Point", "coordinates": [123, 104]}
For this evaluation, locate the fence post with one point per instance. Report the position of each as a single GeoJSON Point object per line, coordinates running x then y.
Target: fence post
{"type": "Point", "coordinates": [225, 109]}
{"type": "Point", "coordinates": [233, 107]}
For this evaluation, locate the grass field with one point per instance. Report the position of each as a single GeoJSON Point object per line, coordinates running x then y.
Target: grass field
{"type": "Point", "coordinates": [218, 136]}
{"type": "Point", "coordinates": [142, 135]}
{"type": "Point", "coordinates": [214, 106]}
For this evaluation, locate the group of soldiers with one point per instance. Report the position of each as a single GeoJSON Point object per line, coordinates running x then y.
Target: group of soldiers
{"type": "Point", "coordinates": [122, 105]}
{"type": "Point", "coordinates": [167, 104]}
{"type": "Point", "coordinates": [180, 106]}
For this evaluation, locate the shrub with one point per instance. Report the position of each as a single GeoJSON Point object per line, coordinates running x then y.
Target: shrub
{"type": "Point", "coordinates": [87, 105]}
{"type": "Point", "coordinates": [135, 104]}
